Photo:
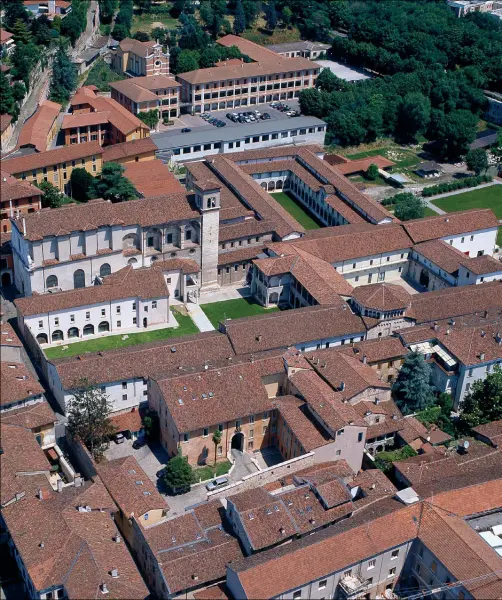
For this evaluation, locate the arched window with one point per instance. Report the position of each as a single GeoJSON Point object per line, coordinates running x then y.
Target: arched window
{"type": "Point", "coordinates": [42, 338]}
{"type": "Point", "coordinates": [104, 270]}
{"type": "Point", "coordinates": [57, 335]}
{"type": "Point", "coordinates": [271, 186]}
{"type": "Point", "coordinates": [78, 279]}
{"type": "Point", "coordinates": [73, 332]}
{"type": "Point", "coordinates": [52, 281]}
{"type": "Point", "coordinates": [130, 241]}
{"type": "Point", "coordinates": [264, 185]}
{"type": "Point", "coordinates": [132, 262]}
{"type": "Point", "coordinates": [89, 329]}
{"type": "Point", "coordinates": [103, 326]}
{"type": "Point", "coordinates": [279, 185]}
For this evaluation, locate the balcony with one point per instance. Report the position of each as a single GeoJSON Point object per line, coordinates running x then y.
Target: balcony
{"type": "Point", "coordinates": [353, 586]}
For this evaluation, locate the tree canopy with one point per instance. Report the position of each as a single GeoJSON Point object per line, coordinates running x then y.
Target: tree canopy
{"type": "Point", "coordinates": [113, 185]}
{"type": "Point", "coordinates": [483, 404]}
{"type": "Point", "coordinates": [64, 78]}
{"type": "Point", "coordinates": [477, 160]}
{"type": "Point", "coordinates": [178, 474]}
{"type": "Point", "coordinates": [412, 390]}
{"type": "Point", "coordinates": [408, 206]}
{"type": "Point", "coordinates": [81, 184]}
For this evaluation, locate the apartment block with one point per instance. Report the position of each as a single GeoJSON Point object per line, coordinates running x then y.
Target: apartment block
{"type": "Point", "coordinates": [153, 92]}
{"type": "Point", "coordinates": [17, 197]}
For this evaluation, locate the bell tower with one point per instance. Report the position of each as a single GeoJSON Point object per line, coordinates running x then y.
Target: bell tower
{"type": "Point", "coordinates": [207, 194]}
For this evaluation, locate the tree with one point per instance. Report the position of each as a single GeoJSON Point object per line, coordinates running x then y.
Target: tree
{"type": "Point", "coordinates": [52, 197]}
{"type": "Point", "coordinates": [64, 77]}
{"type": "Point", "coordinates": [7, 102]}
{"type": "Point", "coordinates": [144, 6]}
{"type": "Point", "coordinates": [453, 132]}
{"type": "Point", "coordinates": [18, 91]}
{"type": "Point", "coordinates": [120, 32]}
{"type": "Point", "coordinates": [372, 172]}
{"type": "Point", "coordinates": [252, 9]}
{"type": "Point", "coordinates": [240, 19]}
{"type": "Point", "coordinates": [270, 15]}
{"type": "Point", "coordinates": [178, 474]}
{"type": "Point", "coordinates": [81, 184]}
{"type": "Point", "coordinates": [71, 26]}
{"type": "Point", "coordinates": [13, 11]}
{"type": "Point", "coordinates": [188, 60]}
{"type": "Point", "coordinates": [329, 82]}
{"type": "Point", "coordinates": [151, 424]}
{"type": "Point", "coordinates": [414, 116]}
{"type": "Point", "coordinates": [141, 36]}
{"type": "Point", "coordinates": [408, 207]}
{"type": "Point", "coordinates": [412, 390]}
{"type": "Point", "coordinates": [42, 30]}
{"type": "Point", "coordinates": [112, 185]}
{"type": "Point", "coordinates": [88, 416]}
{"type": "Point", "coordinates": [149, 117]}
{"type": "Point", "coordinates": [216, 442]}
{"type": "Point", "coordinates": [287, 16]}
{"type": "Point", "coordinates": [21, 32]}
{"type": "Point", "coordinates": [483, 404]}
{"type": "Point", "coordinates": [477, 160]}
{"type": "Point", "coordinates": [24, 58]}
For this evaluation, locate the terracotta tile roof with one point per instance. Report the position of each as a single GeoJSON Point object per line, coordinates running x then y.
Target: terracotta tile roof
{"type": "Point", "coordinates": [154, 359]}
{"type": "Point", "coordinates": [152, 178]}
{"type": "Point", "coordinates": [142, 49]}
{"type": "Point", "coordinates": [8, 337]}
{"type": "Point", "coordinates": [85, 119]}
{"type": "Point", "coordinates": [472, 345]}
{"type": "Point", "coordinates": [271, 154]}
{"type": "Point", "coordinates": [356, 166]}
{"type": "Point", "coordinates": [456, 301]}
{"type": "Point", "coordinates": [255, 196]}
{"type": "Point", "coordinates": [5, 120]}
{"type": "Point", "coordinates": [216, 592]}
{"type": "Point", "coordinates": [255, 69]}
{"type": "Point", "coordinates": [434, 227]}
{"type": "Point", "coordinates": [80, 552]}
{"type": "Point", "coordinates": [144, 283]}
{"type": "Point", "coordinates": [185, 265]}
{"type": "Point", "coordinates": [31, 417]}
{"type": "Point", "coordinates": [290, 328]}
{"type": "Point", "coordinates": [218, 395]}
{"type": "Point", "coordinates": [346, 242]}
{"type": "Point", "coordinates": [130, 487]}
{"type": "Point", "coordinates": [95, 213]}
{"type": "Point", "coordinates": [492, 431]}
{"type": "Point", "coordinates": [443, 255]}
{"type": "Point", "coordinates": [51, 157]}
{"type": "Point", "coordinates": [128, 149]}
{"type": "Point", "coordinates": [17, 383]}
{"type": "Point", "coordinates": [36, 129]}
{"type": "Point", "coordinates": [380, 350]}
{"type": "Point", "coordinates": [483, 265]}
{"type": "Point", "coordinates": [13, 189]}
{"type": "Point", "coordinates": [289, 166]}
{"type": "Point", "coordinates": [254, 51]}
{"type": "Point", "coordinates": [127, 421]}
{"type": "Point", "coordinates": [139, 89]}
{"type": "Point", "coordinates": [243, 229]}
{"type": "Point", "coordinates": [5, 36]}
{"type": "Point", "coordinates": [304, 428]}
{"type": "Point", "coordinates": [242, 254]}
{"type": "Point", "coordinates": [390, 418]}
{"type": "Point", "coordinates": [382, 296]}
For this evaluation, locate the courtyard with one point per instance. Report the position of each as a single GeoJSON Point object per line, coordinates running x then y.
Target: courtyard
{"type": "Point", "coordinates": [111, 342]}
{"type": "Point", "coordinates": [233, 309]}
{"type": "Point", "coordinates": [296, 210]}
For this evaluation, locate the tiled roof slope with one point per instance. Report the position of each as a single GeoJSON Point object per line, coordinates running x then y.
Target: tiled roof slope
{"type": "Point", "coordinates": [382, 296]}
{"type": "Point", "coordinates": [435, 227]}
{"type": "Point", "coordinates": [36, 129]}
{"type": "Point", "coordinates": [17, 383]}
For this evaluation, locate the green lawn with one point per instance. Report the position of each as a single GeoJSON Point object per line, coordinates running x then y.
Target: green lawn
{"type": "Point", "coordinates": [489, 197]}
{"type": "Point", "coordinates": [145, 22]}
{"type": "Point", "coordinates": [101, 75]}
{"type": "Point", "coordinates": [404, 158]}
{"type": "Point", "coordinates": [260, 35]}
{"type": "Point", "coordinates": [185, 327]}
{"type": "Point", "coordinates": [296, 210]}
{"type": "Point", "coordinates": [428, 212]}
{"type": "Point", "coordinates": [233, 309]}
{"type": "Point", "coordinates": [209, 471]}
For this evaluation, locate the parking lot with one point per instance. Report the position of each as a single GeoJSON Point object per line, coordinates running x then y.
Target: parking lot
{"type": "Point", "coordinates": [197, 122]}
{"type": "Point", "coordinates": [151, 458]}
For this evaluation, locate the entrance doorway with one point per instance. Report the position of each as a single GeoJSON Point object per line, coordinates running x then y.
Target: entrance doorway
{"type": "Point", "coordinates": [145, 322]}
{"type": "Point", "coordinates": [238, 441]}
{"type": "Point", "coordinates": [6, 280]}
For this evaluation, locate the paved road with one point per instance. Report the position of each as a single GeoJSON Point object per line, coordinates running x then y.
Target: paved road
{"type": "Point", "coordinates": [199, 317]}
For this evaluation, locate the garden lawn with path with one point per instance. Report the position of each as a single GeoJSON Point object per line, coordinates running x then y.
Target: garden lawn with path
{"type": "Point", "coordinates": [185, 327]}
{"type": "Point", "coordinates": [210, 471]}
{"type": "Point", "coordinates": [233, 309]}
{"type": "Point", "coordinates": [487, 197]}
{"type": "Point", "coordinates": [296, 210]}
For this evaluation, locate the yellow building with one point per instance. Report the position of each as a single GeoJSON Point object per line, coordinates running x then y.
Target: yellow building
{"type": "Point", "coordinates": [41, 128]}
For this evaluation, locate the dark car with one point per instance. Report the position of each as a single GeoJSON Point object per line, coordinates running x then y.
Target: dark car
{"type": "Point", "coordinates": [139, 443]}
{"type": "Point", "coordinates": [221, 124]}
{"type": "Point", "coordinates": [265, 116]}
{"type": "Point", "coordinates": [186, 130]}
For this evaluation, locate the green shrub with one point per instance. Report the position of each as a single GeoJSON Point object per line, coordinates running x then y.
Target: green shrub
{"type": "Point", "coordinates": [443, 188]}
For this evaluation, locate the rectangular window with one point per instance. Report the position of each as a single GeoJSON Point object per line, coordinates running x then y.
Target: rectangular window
{"type": "Point", "coordinates": [206, 432]}
{"type": "Point", "coordinates": [251, 419]}
{"type": "Point", "coordinates": [297, 595]}
{"type": "Point", "coordinates": [220, 427]}
{"type": "Point", "coordinates": [118, 310]}
{"type": "Point", "coordinates": [323, 584]}
{"type": "Point", "coordinates": [56, 321]}
{"type": "Point", "coordinates": [154, 304]}
{"type": "Point", "coordinates": [265, 415]}
{"type": "Point", "coordinates": [347, 573]}
{"type": "Point", "coordinates": [103, 312]}
{"type": "Point", "coordinates": [72, 318]}
{"type": "Point", "coordinates": [40, 324]}
{"type": "Point", "coordinates": [237, 423]}
{"type": "Point", "coordinates": [434, 566]}
{"type": "Point", "coordinates": [119, 323]}
{"type": "Point", "coordinates": [124, 396]}
{"type": "Point", "coordinates": [251, 433]}
{"type": "Point", "coordinates": [186, 437]}
{"type": "Point", "coordinates": [220, 450]}
{"type": "Point", "coordinates": [360, 436]}
{"type": "Point", "coordinates": [392, 572]}
{"type": "Point", "coordinates": [395, 554]}
{"type": "Point", "coordinates": [88, 315]}
{"type": "Point", "coordinates": [124, 385]}
{"type": "Point", "coordinates": [134, 321]}
{"type": "Point", "coordinates": [371, 564]}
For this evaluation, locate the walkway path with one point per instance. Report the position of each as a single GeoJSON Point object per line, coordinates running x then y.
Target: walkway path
{"type": "Point", "coordinates": [199, 317]}
{"type": "Point", "coordinates": [428, 201]}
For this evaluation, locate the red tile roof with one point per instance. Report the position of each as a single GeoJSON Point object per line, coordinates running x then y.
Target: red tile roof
{"type": "Point", "coordinates": [382, 296]}
{"type": "Point", "coordinates": [152, 178]}
{"type": "Point", "coordinates": [128, 149]}
{"type": "Point", "coordinates": [31, 417]}
{"type": "Point", "coordinates": [36, 129]}
{"type": "Point", "coordinates": [17, 383]}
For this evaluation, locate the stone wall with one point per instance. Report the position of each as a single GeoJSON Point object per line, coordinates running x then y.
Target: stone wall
{"type": "Point", "coordinates": [261, 478]}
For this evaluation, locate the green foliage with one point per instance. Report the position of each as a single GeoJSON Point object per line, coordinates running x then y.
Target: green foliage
{"type": "Point", "coordinates": [477, 160]}
{"type": "Point", "coordinates": [52, 197]}
{"type": "Point", "coordinates": [149, 117]}
{"type": "Point", "coordinates": [7, 101]}
{"type": "Point", "coordinates": [372, 172]}
{"type": "Point", "coordinates": [483, 404]}
{"type": "Point", "coordinates": [453, 132]}
{"type": "Point", "coordinates": [120, 32]}
{"type": "Point", "coordinates": [43, 31]}
{"type": "Point", "coordinates": [21, 32]}
{"type": "Point", "coordinates": [384, 460]}
{"type": "Point", "coordinates": [144, 6]}
{"type": "Point", "coordinates": [408, 206]}
{"type": "Point", "coordinates": [252, 9]}
{"type": "Point", "coordinates": [414, 116]}
{"type": "Point", "coordinates": [271, 15]}
{"type": "Point", "coordinates": [88, 416]}
{"type": "Point", "coordinates": [123, 20]}
{"type": "Point", "coordinates": [439, 414]}
{"type": "Point", "coordinates": [24, 58]}
{"type": "Point", "coordinates": [466, 182]}
{"type": "Point", "coordinates": [74, 24]}
{"type": "Point", "coordinates": [151, 424]}
{"type": "Point", "coordinates": [216, 440]}
{"type": "Point", "coordinates": [113, 185]}
{"type": "Point", "coordinates": [13, 11]}
{"type": "Point", "coordinates": [188, 60]}
{"type": "Point", "coordinates": [106, 10]}
{"type": "Point", "coordinates": [178, 474]}
{"type": "Point", "coordinates": [286, 16]}
{"type": "Point", "coordinates": [81, 184]}
{"type": "Point", "coordinates": [239, 19]}
{"type": "Point", "coordinates": [329, 82]}
{"type": "Point", "coordinates": [192, 36]}
{"type": "Point", "coordinates": [101, 75]}
{"type": "Point", "coordinates": [412, 390]}
{"type": "Point", "coordinates": [64, 78]}
{"type": "Point", "coordinates": [142, 36]}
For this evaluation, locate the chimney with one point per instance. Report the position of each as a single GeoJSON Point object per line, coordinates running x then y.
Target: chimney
{"type": "Point", "coordinates": [24, 226]}
{"type": "Point", "coordinates": [258, 338]}
{"type": "Point", "coordinates": [78, 480]}
{"type": "Point", "coordinates": [342, 386]}
{"type": "Point", "coordinates": [482, 356]}
{"type": "Point", "coordinates": [365, 359]}
{"type": "Point", "coordinates": [40, 494]}
{"type": "Point", "coordinates": [498, 338]}
{"type": "Point", "coordinates": [483, 333]}
{"type": "Point", "coordinates": [104, 588]}
{"type": "Point", "coordinates": [447, 332]}
{"type": "Point", "coordinates": [60, 485]}
{"type": "Point", "coordinates": [117, 539]}
{"type": "Point", "coordinates": [436, 327]}
{"type": "Point", "coordinates": [195, 577]}
{"type": "Point", "coordinates": [485, 314]}
{"type": "Point", "coordinates": [114, 573]}
{"type": "Point", "coordinates": [282, 530]}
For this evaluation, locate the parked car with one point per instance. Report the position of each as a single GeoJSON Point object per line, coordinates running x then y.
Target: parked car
{"type": "Point", "coordinates": [216, 483]}
{"type": "Point", "coordinates": [221, 124]}
{"type": "Point", "coordinates": [265, 117]}
{"type": "Point", "coordinates": [139, 443]}
{"type": "Point", "coordinates": [291, 113]}
{"type": "Point", "coordinates": [186, 130]}
{"type": "Point", "coordinates": [119, 438]}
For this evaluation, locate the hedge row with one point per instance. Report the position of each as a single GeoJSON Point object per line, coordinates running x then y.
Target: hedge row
{"type": "Point", "coordinates": [443, 188]}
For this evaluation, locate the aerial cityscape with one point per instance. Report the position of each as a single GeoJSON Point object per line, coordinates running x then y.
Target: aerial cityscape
{"type": "Point", "coordinates": [251, 299]}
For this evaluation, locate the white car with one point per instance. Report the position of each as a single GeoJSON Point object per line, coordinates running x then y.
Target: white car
{"type": "Point", "coordinates": [216, 483]}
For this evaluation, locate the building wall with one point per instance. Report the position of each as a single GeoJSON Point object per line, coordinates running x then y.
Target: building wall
{"type": "Point", "coordinates": [23, 205]}
{"type": "Point", "coordinates": [466, 277]}
{"type": "Point", "coordinates": [388, 266]}
{"type": "Point", "coordinates": [167, 103]}
{"type": "Point", "coordinates": [474, 243]}
{"type": "Point", "coordinates": [467, 375]}
{"type": "Point", "coordinates": [6, 135]}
